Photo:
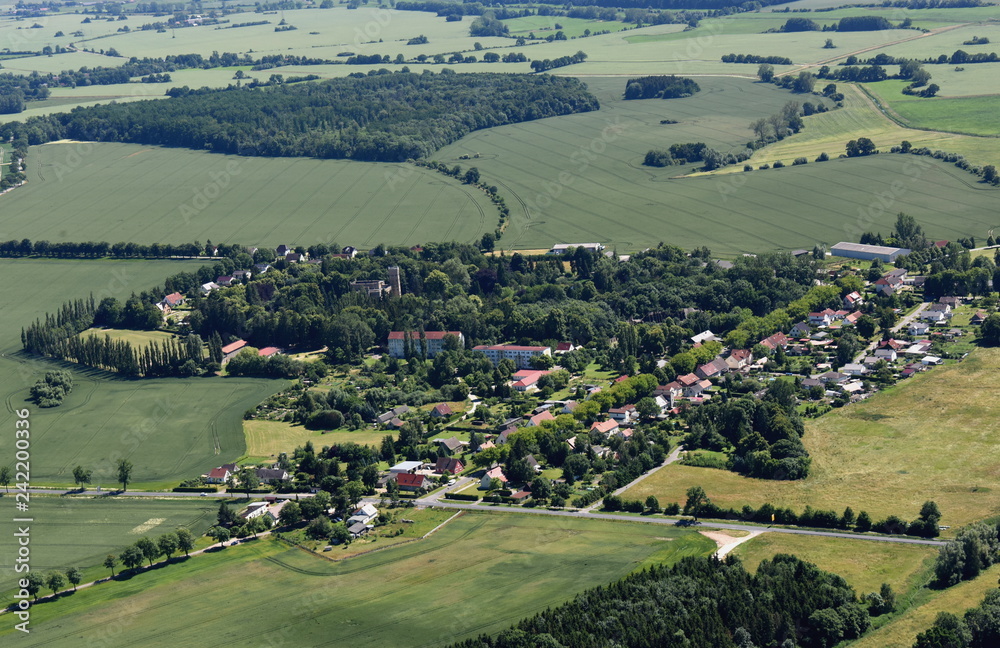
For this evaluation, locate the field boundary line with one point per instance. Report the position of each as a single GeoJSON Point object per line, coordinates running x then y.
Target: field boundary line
{"type": "Point", "coordinates": [428, 534]}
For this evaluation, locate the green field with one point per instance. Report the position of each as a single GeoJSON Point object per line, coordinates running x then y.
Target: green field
{"type": "Point", "coordinates": [577, 176]}
{"type": "Point", "coordinates": [902, 631]}
{"type": "Point", "coordinates": [180, 195]}
{"type": "Point", "coordinates": [933, 437]}
{"type": "Point", "coordinates": [267, 438]}
{"type": "Point", "coordinates": [974, 115]}
{"type": "Point", "coordinates": [478, 574]}
{"type": "Point", "coordinates": [137, 339]}
{"type": "Point", "coordinates": [865, 565]}
{"type": "Point", "coordinates": [81, 531]}
{"type": "Point", "coordinates": [170, 429]}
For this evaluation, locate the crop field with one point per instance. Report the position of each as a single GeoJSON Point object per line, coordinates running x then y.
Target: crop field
{"type": "Point", "coordinates": [934, 437]}
{"type": "Point", "coordinates": [271, 438]}
{"type": "Point", "coordinates": [865, 565]}
{"type": "Point", "coordinates": [978, 115]}
{"type": "Point", "coordinates": [81, 531]}
{"type": "Point", "coordinates": [169, 429]}
{"type": "Point", "coordinates": [860, 117]}
{"type": "Point", "coordinates": [571, 27]}
{"type": "Point", "coordinates": [137, 339]}
{"type": "Point", "coordinates": [576, 176]}
{"type": "Point", "coordinates": [477, 574]}
{"type": "Point", "coordinates": [182, 195]}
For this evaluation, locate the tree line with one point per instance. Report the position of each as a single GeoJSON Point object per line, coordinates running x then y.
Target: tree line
{"type": "Point", "coordinates": [660, 87]}
{"type": "Point", "coordinates": [754, 58]}
{"type": "Point", "coordinates": [388, 117]}
{"type": "Point", "coordinates": [787, 603]}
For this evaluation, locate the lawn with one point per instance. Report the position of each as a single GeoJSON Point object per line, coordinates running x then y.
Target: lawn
{"type": "Point", "coordinates": [978, 115]}
{"type": "Point", "coordinates": [271, 438]}
{"type": "Point", "coordinates": [478, 574]}
{"type": "Point", "coordinates": [864, 565]}
{"type": "Point", "coordinates": [80, 531]}
{"type": "Point", "coordinates": [259, 201]}
{"type": "Point", "coordinates": [935, 437]}
{"type": "Point", "coordinates": [138, 339]}
{"type": "Point", "coordinates": [170, 429]}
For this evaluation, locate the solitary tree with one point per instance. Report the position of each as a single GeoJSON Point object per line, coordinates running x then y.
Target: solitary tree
{"type": "Point", "coordinates": [219, 534]}
{"type": "Point", "coordinates": [696, 499]}
{"type": "Point", "coordinates": [185, 540]}
{"type": "Point", "coordinates": [110, 563]}
{"type": "Point", "coordinates": [124, 473]}
{"type": "Point", "coordinates": [765, 72]}
{"type": "Point", "coordinates": [55, 581]}
{"type": "Point", "coordinates": [82, 476]}
{"type": "Point", "coordinates": [74, 576]}
{"type": "Point", "coordinates": [5, 477]}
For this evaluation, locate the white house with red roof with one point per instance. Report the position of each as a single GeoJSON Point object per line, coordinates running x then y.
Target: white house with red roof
{"type": "Point", "coordinates": [537, 419]}
{"type": "Point", "coordinates": [218, 476]}
{"type": "Point", "coordinates": [853, 300]}
{"type": "Point", "coordinates": [526, 379]}
{"type": "Point", "coordinates": [772, 342]}
{"type": "Point", "coordinates": [413, 482]}
{"type": "Point", "coordinates": [491, 474]}
{"type": "Point", "coordinates": [623, 414]}
{"type": "Point", "coordinates": [605, 427]}
{"type": "Point", "coordinates": [268, 351]}
{"type": "Point", "coordinates": [173, 300]}
{"type": "Point", "coordinates": [739, 359]}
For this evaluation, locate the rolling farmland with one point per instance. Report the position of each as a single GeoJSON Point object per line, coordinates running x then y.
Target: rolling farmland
{"type": "Point", "coordinates": [181, 195]}
{"type": "Point", "coordinates": [575, 175]}
{"type": "Point", "coordinates": [81, 531]}
{"type": "Point", "coordinates": [169, 428]}
{"type": "Point", "coordinates": [479, 573]}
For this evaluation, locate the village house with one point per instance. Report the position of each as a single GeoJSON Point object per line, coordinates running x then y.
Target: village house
{"type": "Point", "coordinates": [208, 287]}
{"type": "Point", "coordinates": [268, 475]}
{"type": "Point", "coordinates": [441, 410]}
{"type": "Point", "coordinates": [605, 427]}
{"type": "Point", "coordinates": [254, 510]}
{"type": "Point", "coordinates": [491, 474]}
{"type": "Point", "coordinates": [365, 514]}
{"type": "Point", "coordinates": [772, 342]}
{"type": "Point", "coordinates": [448, 465]}
{"type": "Point", "coordinates": [936, 313]}
{"type": "Point", "coordinates": [704, 336]}
{"type": "Point", "coordinates": [218, 476]}
{"type": "Point", "coordinates": [505, 434]}
{"type": "Point", "coordinates": [268, 351]}
{"type": "Point", "coordinates": [887, 354]}
{"type": "Point", "coordinates": [739, 359]}
{"type": "Point", "coordinates": [538, 418]}
{"type": "Point", "coordinates": [526, 379]}
{"type": "Point", "coordinates": [697, 389]}
{"type": "Point", "coordinates": [449, 447]}
{"type": "Point", "coordinates": [853, 369]}
{"type": "Point", "coordinates": [173, 300]}
{"type": "Point", "coordinates": [800, 330]}
{"type": "Point", "coordinates": [385, 418]}
{"type": "Point", "coordinates": [978, 318]}
{"type": "Point", "coordinates": [224, 280]}
{"type": "Point", "coordinates": [623, 414]}
{"type": "Point", "coordinates": [919, 328]}
{"type": "Point", "coordinates": [413, 482]}
{"type": "Point", "coordinates": [853, 300]}
{"type": "Point", "coordinates": [406, 467]}
{"type": "Point", "coordinates": [712, 369]}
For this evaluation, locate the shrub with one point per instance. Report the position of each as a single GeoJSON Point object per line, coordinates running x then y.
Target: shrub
{"type": "Point", "coordinates": [800, 161]}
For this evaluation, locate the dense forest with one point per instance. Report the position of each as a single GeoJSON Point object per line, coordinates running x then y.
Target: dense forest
{"type": "Point", "coordinates": [700, 602]}
{"type": "Point", "coordinates": [383, 117]}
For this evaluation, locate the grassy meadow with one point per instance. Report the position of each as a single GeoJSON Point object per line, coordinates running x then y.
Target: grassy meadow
{"type": "Point", "coordinates": [933, 437]}
{"type": "Point", "coordinates": [169, 428]}
{"type": "Point", "coordinates": [477, 574]}
{"type": "Point", "coordinates": [864, 565]}
{"type": "Point", "coordinates": [271, 438]}
{"type": "Point", "coordinates": [974, 115]}
{"type": "Point", "coordinates": [80, 531]}
{"type": "Point", "coordinates": [182, 195]}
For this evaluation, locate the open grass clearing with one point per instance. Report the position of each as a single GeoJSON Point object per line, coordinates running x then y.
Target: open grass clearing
{"type": "Point", "coordinates": [479, 573]}
{"type": "Point", "coordinates": [864, 565]}
{"type": "Point", "coordinates": [902, 631]}
{"type": "Point", "coordinates": [979, 115]}
{"type": "Point", "coordinates": [79, 531]}
{"type": "Point", "coordinates": [271, 438]}
{"type": "Point", "coordinates": [138, 339]}
{"type": "Point", "coordinates": [933, 437]}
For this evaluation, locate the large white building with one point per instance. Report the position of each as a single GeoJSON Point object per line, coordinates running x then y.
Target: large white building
{"type": "Point", "coordinates": [561, 248]}
{"type": "Point", "coordinates": [520, 355]}
{"type": "Point", "coordinates": [432, 340]}
{"type": "Point", "coordinates": [867, 252]}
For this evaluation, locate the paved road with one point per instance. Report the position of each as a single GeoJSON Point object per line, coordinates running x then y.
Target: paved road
{"type": "Point", "coordinates": [449, 504]}
{"type": "Point", "coordinates": [674, 456]}
{"type": "Point", "coordinates": [113, 493]}
{"type": "Point", "coordinates": [904, 321]}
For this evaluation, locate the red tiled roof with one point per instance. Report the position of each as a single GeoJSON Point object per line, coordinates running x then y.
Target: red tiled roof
{"type": "Point", "coordinates": [234, 346]}
{"type": "Point", "coordinates": [604, 426]}
{"type": "Point", "coordinates": [406, 479]}
{"type": "Point", "coordinates": [218, 473]}
{"type": "Point", "coordinates": [267, 351]}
